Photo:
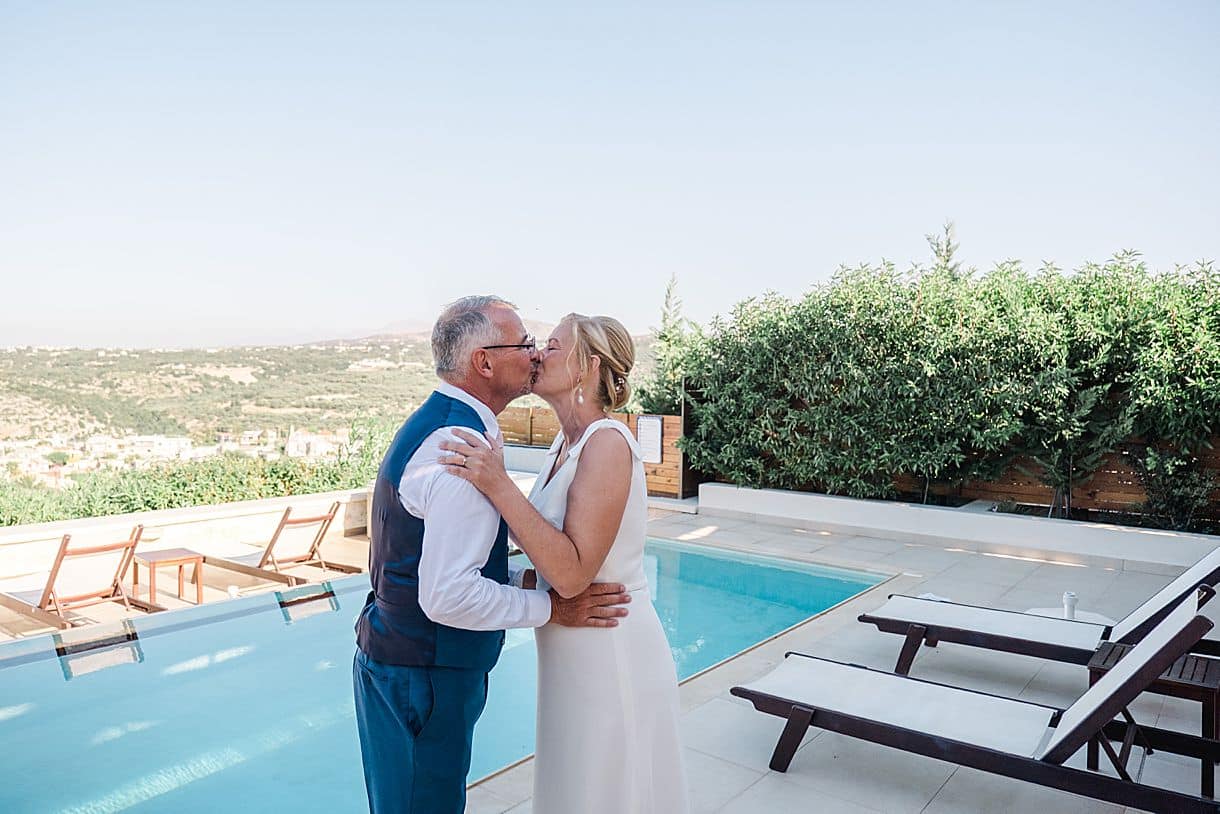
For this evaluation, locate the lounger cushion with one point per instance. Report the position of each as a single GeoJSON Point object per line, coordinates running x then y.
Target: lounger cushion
{"type": "Point", "coordinates": [991, 621]}
{"type": "Point", "coordinates": [1003, 724]}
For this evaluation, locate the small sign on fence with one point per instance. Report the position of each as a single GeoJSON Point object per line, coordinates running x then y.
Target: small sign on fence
{"type": "Point", "coordinates": [648, 431]}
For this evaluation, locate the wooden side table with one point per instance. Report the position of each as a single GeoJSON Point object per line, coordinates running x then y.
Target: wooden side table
{"type": "Point", "coordinates": [180, 557]}
{"type": "Point", "coordinates": [1193, 677]}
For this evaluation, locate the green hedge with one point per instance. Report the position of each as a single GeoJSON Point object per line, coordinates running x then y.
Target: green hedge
{"type": "Point", "coordinates": [220, 479]}
{"type": "Point", "coordinates": [945, 375]}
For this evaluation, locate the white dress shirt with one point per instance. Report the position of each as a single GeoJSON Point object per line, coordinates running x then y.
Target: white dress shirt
{"type": "Point", "coordinates": [460, 526]}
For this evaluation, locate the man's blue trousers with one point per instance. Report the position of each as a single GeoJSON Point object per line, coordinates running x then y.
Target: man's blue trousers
{"type": "Point", "coordinates": [416, 726]}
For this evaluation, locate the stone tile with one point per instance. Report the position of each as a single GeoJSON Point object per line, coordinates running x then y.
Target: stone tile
{"type": "Point", "coordinates": [670, 529]}
{"type": "Point", "coordinates": [777, 793]}
{"type": "Point", "coordinates": [727, 514]}
{"type": "Point", "coordinates": [990, 569]}
{"type": "Point", "coordinates": [878, 652]}
{"type": "Point", "coordinates": [514, 785]}
{"type": "Point", "coordinates": [481, 801]}
{"type": "Point", "coordinates": [821, 536]}
{"type": "Point", "coordinates": [699, 690]}
{"type": "Point", "coordinates": [1173, 772]}
{"type": "Point", "coordinates": [1019, 599]}
{"type": "Point", "coordinates": [873, 544]}
{"type": "Point", "coordinates": [1180, 715]}
{"type": "Point", "coordinates": [1129, 591]}
{"type": "Point", "coordinates": [771, 545]}
{"type": "Point", "coordinates": [975, 668]}
{"type": "Point", "coordinates": [973, 792]}
{"type": "Point", "coordinates": [734, 732]}
{"type": "Point", "coordinates": [1159, 568]}
{"type": "Point", "coordinates": [898, 782]}
{"type": "Point", "coordinates": [839, 557]}
{"type": "Point", "coordinates": [925, 560]}
{"type": "Point", "coordinates": [967, 591]}
{"type": "Point", "coordinates": [1059, 685]}
{"type": "Point", "coordinates": [714, 782]}
{"type": "Point", "coordinates": [1053, 580]}
{"type": "Point", "coordinates": [743, 538]}
{"type": "Point", "coordinates": [795, 543]}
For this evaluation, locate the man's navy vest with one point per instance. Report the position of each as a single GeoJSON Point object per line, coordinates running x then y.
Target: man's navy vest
{"type": "Point", "coordinates": [392, 627]}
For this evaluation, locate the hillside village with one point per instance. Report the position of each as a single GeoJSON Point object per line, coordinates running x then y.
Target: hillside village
{"type": "Point", "coordinates": [71, 411]}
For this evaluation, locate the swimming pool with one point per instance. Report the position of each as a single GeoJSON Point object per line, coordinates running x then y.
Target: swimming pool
{"type": "Point", "coordinates": [248, 704]}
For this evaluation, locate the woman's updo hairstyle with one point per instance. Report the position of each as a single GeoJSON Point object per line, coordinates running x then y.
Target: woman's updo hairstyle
{"type": "Point", "coordinates": [606, 338]}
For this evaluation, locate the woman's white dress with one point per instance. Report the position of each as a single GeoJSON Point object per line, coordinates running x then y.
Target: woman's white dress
{"type": "Point", "coordinates": [607, 697]}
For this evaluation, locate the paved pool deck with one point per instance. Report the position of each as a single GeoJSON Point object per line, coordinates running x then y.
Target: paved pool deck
{"type": "Point", "coordinates": [728, 744]}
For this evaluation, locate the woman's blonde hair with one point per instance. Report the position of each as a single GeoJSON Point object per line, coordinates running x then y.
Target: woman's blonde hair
{"type": "Point", "coordinates": [606, 338]}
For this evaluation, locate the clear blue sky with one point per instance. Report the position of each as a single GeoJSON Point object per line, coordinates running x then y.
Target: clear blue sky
{"type": "Point", "coordinates": [204, 173]}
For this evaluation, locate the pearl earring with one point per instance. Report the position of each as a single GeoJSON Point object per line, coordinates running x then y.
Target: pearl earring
{"type": "Point", "coordinates": [580, 394]}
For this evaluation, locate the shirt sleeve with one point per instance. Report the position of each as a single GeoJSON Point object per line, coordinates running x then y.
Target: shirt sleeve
{"type": "Point", "coordinates": [516, 573]}
{"type": "Point", "coordinates": [460, 527]}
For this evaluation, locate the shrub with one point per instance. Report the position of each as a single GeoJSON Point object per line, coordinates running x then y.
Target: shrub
{"type": "Point", "coordinates": [947, 375]}
{"type": "Point", "coordinates": [1178, 488]}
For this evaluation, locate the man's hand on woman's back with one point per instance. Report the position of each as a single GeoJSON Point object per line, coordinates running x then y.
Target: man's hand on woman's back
{"type": "Point", "coordinates": [599, 605]}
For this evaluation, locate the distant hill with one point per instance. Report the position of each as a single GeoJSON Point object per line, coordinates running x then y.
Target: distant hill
{"type": "Point", "coordinates": [416, 332]}
{"type": "Point", "coordinates": [323, 385]}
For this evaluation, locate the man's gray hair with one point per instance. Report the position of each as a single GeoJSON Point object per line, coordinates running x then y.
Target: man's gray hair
{"type": "Point", "coordinates": [462, 327]}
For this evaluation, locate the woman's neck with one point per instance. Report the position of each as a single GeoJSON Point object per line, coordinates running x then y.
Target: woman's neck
{"type": "Point", "coordinates": [574, 419]}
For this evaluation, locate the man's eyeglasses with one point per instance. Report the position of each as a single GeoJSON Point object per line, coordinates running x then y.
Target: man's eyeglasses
{"type": "Point", "coordinates": [530, 345]}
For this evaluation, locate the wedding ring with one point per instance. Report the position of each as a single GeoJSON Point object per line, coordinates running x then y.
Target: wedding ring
{"type": "Point", "coordinates": [463, 463]}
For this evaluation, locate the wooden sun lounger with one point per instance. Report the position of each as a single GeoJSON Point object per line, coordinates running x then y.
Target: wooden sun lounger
{"type": "Point", "coordinates": [268, 562]}
{"type": "Point", "coordinates": [930, 621]}
{"type": "Point", "coordinates": [79, 576]}
{"type": "Point", "coordinates": [1002, 736]}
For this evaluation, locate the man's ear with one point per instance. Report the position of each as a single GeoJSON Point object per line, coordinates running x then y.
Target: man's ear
{"type": "Point", "coordinates": [480, 363]}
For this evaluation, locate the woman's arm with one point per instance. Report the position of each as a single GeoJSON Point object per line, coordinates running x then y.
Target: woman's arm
{"type": "Point", "coordinates": [569, 558]}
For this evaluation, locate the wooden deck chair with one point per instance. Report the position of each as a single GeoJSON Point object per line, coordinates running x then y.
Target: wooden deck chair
{"type": "Point", "coordinates": [1002, 736]}
{"type": "Point", "coordinates": [296, 541]}
{"type": "Point", "coordinates": [80, 576]}
{"type": "Point", "coordinates": [929, 621]}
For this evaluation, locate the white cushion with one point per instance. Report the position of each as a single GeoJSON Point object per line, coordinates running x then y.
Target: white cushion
{"type": "Point", "coordinates": [1003, 724]}
{"type": "Point", "coordinates": [992, 621]}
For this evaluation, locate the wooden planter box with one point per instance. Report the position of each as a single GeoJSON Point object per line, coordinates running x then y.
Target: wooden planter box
{"type": "Point", "coordinates": [672, 477]}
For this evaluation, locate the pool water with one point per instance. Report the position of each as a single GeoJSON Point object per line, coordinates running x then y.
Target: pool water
{"type": "Point", "coordinates": [247, 704]}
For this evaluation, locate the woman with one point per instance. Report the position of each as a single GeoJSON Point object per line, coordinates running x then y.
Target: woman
{"type": "Point", "coordinates": [607, 699]}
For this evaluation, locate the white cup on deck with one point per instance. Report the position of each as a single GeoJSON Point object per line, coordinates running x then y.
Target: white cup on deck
{"type": "Point", "coordinates": [1069, 604]}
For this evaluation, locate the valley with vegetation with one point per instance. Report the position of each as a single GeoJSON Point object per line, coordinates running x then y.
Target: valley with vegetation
{"type": "Point", "coordinates": [86, 432]}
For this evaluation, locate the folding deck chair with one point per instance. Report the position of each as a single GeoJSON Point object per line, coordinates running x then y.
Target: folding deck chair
{"type": "Point", "coordinates": [1002, 736]}
{"type": "Point", "coordinates": [79, 576]}
{"type": "Point", "coordinates": [929, 621]}
{"type": "Point", "coordinates": [295, 542]}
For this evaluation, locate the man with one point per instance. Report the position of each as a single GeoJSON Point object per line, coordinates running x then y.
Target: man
{"type": "Point", "coordinates": [433, 625]}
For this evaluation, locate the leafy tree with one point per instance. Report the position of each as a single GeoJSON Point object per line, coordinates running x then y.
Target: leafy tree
{"type": "Point", "coordinates": [662, 392]}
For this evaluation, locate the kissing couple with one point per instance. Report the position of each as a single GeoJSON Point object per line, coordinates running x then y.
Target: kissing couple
{"type": "Point", "coordinates": [444, 589]}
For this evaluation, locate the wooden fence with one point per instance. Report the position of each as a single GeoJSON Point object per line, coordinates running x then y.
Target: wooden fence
{"type": "Point", "coordinates": [1114, 487]}
{"type": "Point", "coordinates": [538, 426]}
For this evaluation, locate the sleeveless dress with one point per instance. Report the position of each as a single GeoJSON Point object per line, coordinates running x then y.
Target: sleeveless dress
{"type": "Point", "coordinates": [607, 697]}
